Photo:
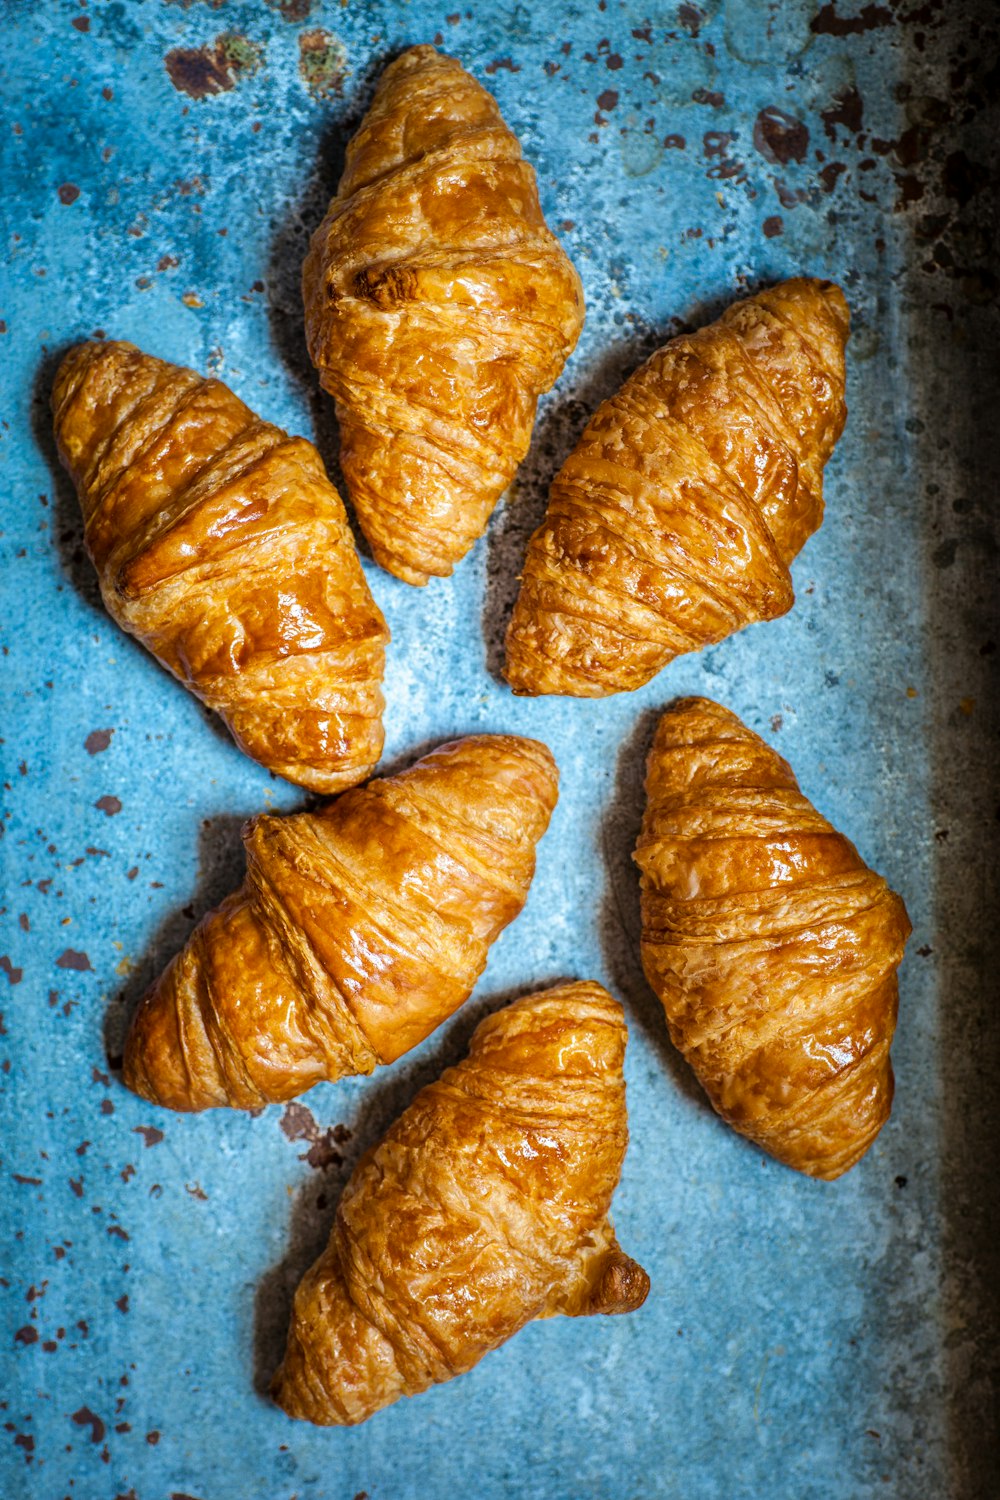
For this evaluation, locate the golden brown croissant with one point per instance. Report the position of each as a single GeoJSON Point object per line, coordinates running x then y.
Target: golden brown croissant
{"type": "Point", "coordinates": [772, 945]}
{"type": "Point", "coordinates": [485, 1206]}
{"type": "Point", "coordinates": [673, 521]}
{"type": "Point", "coordinates": [438, 308]}
{"type": "Point", "coordinates": [223, 547]}
{"type": "Point", "coordinates": [358, 930]}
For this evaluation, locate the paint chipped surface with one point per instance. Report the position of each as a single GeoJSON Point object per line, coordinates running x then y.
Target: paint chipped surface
{"type": "Point", "coordinates": [214, 68]}
{"type": "Point", "coordinates": [799, 1341]}
{"type": "Point", "coordinates": [322, 63]}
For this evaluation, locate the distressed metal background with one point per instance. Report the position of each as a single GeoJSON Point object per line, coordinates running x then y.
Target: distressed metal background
{"type": "Point", "coordinates": [163, 164]}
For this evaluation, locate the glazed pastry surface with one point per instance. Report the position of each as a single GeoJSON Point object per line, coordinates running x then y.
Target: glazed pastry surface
{"type": "Point", "coordinates": [438, 308]}
{"type": "Point", "coordinates": [358, 930]}
{"type": "Point", "coordinates": [673, 522]}
{"type": "Point", "coordinates": [485, 1205]}
{"type": "Point", "coordinates": [222, 546]}
{"type": "Point", "coordinates": [771, 944]}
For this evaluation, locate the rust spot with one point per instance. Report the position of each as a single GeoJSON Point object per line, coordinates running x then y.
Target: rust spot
{"type": "Point", "coordinates": [503, 62]}
{"type": "Point", "coordinates": [779, 136]}
{"type": "Point", "coordinates": [81, 23]}
{"type": "Point", "coordinates": [87, 1418]}
{"type": "Point", "coordinates": [607, 100]}
{"type": "Point", "coordinates": [26, 1335]}
{"type": "Point", "coordinates": [847, 109]}
{"type": "Point", "coordinates": [68, 192]}
{"type": "Point", "coordinates": [108, 805]}
{"type": "Point", "coordinates": [772, 227]}
{"type": "Point", "coordinates": [706, 96]}
{"type": "Point", "coordinates": [214, 68]}
{"type": "Point", "coordinates": [13, 974]}
{"type": "Point", "coordinates": [322, 63]}
{"type": "Point", "coordinates": [292, 10]}
{"type": "Point", "coordinates": [828, 23]}
{"type": "Point", "coordinates": [97, 740]}
{"type": "Point", "coordinates": [298, 1124]}
{"type": "Point", "coordinates": [72, 959]}
{"type": "Point", "coordinates": [150, 1134]}
{"type": "Point", "coordinates": [962, 178]}
{"type": "Point", "coordinates": [691, 18]}
{"type": "Point", "coordinates": [830, 173]}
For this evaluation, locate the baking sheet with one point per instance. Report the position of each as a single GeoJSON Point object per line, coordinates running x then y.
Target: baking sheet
{"type": "Point", "coordinates": [163, 166]}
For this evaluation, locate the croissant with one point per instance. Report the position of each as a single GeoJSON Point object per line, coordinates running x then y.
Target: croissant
{"type": "Point", "coordinates": [223, 547]}
{"type": "Point", "coordinates": [771, 944]}
{"type": "Point", "coordinates": [438, 308]}
{"type": "Point", "coordinates": [358, 930]}
{"type": "Point", "coordinates": [485, 1206]}
{"type": "Point", "coordinates": [674, 520]}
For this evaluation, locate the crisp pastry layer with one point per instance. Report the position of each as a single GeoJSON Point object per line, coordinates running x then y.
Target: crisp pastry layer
{"type": "Point", "coordinates": [222, 546]}
{"type": "Point", "coordinates": [771, 944]}
{"type": "Point", "coordinates": [485, 1205]}
{"type": "Point", "coordinates": [438, 308]}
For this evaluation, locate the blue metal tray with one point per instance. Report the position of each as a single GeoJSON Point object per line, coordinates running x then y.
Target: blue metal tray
{"type": "Point", "coordinates": [163, 165]}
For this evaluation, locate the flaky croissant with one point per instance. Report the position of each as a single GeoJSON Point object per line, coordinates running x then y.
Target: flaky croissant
{"type": "Point", "coordinates": [438, 308]}
{"type": "Point", "coordinates": [223, 547]}
{"type": "Point", "coordinates": [771, 944]}
{"type": "Point", "coordinates": [485, 1206]}
{"type": "Point", "coordinates": [358, 930]}
{"type": "Point", "coordinates": [673, 521]}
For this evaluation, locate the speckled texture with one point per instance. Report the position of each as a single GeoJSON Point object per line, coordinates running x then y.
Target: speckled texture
{"type": "Point", "coordinates": [163, 166]}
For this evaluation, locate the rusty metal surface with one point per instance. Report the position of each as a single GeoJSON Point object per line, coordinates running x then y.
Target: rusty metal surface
{"type": "Point", "coordinates": [163, 164]}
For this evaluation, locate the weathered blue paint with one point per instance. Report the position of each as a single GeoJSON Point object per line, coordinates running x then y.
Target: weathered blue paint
{"type": "Point", "coordinates": [801, 1340]}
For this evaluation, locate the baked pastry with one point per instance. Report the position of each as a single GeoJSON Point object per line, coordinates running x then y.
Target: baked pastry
{"type": "Point", "coordinates": [438, 308]}
{"type": "Point", "coordinates": [674, 520]}
{"type": "Point", "coordinates": [486, 1205]}
{"type": "Point", "coordinates": [223, 547]}
{"type": "Point", "coordinates": [771, 944]}
{"type": "Point", "coordinates": [358, 930]}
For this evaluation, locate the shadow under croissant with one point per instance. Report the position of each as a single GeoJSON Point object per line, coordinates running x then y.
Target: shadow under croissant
{"type": "Point", "coordinates": [390, 1091]}
{"type": "Point", "coordinates": [286, 313]}
{"type": "Point", "coordinates": [620, 923]}
{"type": "Point", "coordinates": [557, 429]}
{"type": "Point", "coordinates": [221, 867]}
{"type": "Point", "coordinates": [67, 519]}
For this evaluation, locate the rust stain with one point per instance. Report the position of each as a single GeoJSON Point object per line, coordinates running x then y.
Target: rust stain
{"type": "Point", "coordinates": [322, 63]}
{"type": "Point", "coordinates": [292, 10]}
{"type": "Point", "coordinates": [772, 227]}
{"type": "Point", "coordinates": [14, 975]}
{"type": "Point", "coordinates": [779, 136]}
{"type": "Point", "coordinates": [847, 109]}
{"type": "Point", "coordinates": [87, 1418]}
{"type": "Point", "coordinates": [828, 23]}
{"type": "Point", "coordinates": [214, 68]}
{"type": "Point", "coordinates": [298, 1124]}
{"type": "Point", "coordinates": [691, 18]}
{"type": "Point", "coordinates": [108, 805]}
{"type": "Point", "coordinates": [68, 193]}
{"type": "Point", "coordinates": [72, 959]}
{"type": "Point", "coordinates": [97, 740]}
